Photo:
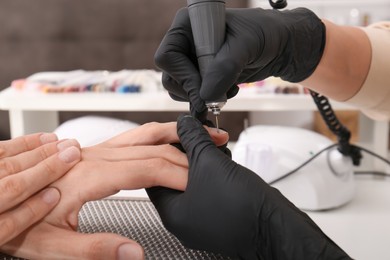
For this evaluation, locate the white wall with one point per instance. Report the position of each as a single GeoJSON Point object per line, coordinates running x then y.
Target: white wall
{"type": "Point", "coordinates": [302, 119]}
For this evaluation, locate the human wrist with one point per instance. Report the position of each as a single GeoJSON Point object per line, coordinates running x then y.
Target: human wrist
{"type": "Point", "coordinates": [344, 65]}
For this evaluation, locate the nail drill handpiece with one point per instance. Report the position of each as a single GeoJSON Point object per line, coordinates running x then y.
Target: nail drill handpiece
{"type": "Point", "coordinates": [208, 28]}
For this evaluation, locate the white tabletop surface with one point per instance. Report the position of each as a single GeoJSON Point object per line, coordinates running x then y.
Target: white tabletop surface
{"type": "Point", "coordinates": [362, 227]}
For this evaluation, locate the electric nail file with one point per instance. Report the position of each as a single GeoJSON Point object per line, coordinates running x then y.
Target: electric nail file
{"type": "Point", "coordinates": [208, 28]}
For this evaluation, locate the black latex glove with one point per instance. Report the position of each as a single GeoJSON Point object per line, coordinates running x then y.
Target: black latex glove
{"type": "Point", "coordinates": [228, 209]}
{"type": "Point", "coordinates": [259, 43]}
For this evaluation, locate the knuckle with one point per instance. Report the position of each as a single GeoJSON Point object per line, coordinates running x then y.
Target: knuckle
{"type": "Point", "coordinates": [159, 57]}
{"type": "Point", "coordinates": [7, 167]}
{"type": "Point", "coordinates": [163, 57]}
{"type": "Point", "coordinates": [45, 152]}
{"type": "Point", "coordinates": [48, 167]}
{"type": "Point", "coordinates": [151, 128]}
{"type": "Point", "coordinates": [231, 67]}
{"type": "Point", "coordinates": [31, 212]}
{"type": "Point", "coordinates": [24, 143]}
{"type": "Point", "coordinates": [12, 187]}
{"type": "Point", "coordinates": [177, 224]}
{"type": "Point", "coordinates": [182, 17]}
{"type": "Point", "coordinates": [154, 168]}
{"type": "Point", "coordinates": [182, 11]}
{"type": "Point", "coordinates": [168, 82]}
{"type": "Point", "coordinates": [8, 227]}
{"type": "Point", "coordinates": [2, 152]}
{"type": "Point", "coordinates": [93, 250]}
{"type": "Point", "coordinates": [169, 152]}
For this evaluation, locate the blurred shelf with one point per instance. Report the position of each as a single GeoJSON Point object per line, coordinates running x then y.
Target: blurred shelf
{"type": "Point", "coordinates": [11, 99]}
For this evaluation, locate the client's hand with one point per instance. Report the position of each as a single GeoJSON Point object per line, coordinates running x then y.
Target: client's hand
{"type": "Point", "coordinates": [139, 158]}
{"type": "Point", "coordinates": [27, 165]}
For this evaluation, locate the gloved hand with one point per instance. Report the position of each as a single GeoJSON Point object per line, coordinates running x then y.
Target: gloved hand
{"type": "Point", "coordinates": [228, 209]}
{"type": "Point", "coordinates": [258, 43]}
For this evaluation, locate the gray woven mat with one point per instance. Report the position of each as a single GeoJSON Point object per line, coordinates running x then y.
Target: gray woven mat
{"type": "Point", "coordinates": [136, 219]}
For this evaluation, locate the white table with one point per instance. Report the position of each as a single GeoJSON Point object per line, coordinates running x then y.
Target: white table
{"type": "Point", "coordinates": [31, 112]}
{"type": "Point", "coordinates": [362, 227]}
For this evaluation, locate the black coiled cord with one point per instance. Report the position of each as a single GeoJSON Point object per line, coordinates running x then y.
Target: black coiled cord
{"type": "Point", "coordinates": [342, 133]}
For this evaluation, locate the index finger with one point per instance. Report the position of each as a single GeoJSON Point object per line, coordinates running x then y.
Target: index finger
{"type": "Point", "coordinates": [158, 133]}
{"type": "Point", "coordinates": [25, 143]}
{"type": "Point", "coordinates": [147, 134]}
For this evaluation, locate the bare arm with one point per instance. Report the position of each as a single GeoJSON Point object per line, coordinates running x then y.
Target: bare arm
{"type": "Point", "coordinates": [344, 65]}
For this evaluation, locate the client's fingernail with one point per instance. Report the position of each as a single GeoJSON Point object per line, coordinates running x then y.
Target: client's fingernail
{"type": "Point", "coordinates": [48, 138]}
{"type": "Point", "coordinates": [51, 196]}
{"type": "Point", "coordinates": [70, 154]}
{"type": "Point", "coordinates": [217, 130]}
{"type": "Point", "coordinates": [130, 251]}
{"type": "Point", "coordinates": [66, 143]}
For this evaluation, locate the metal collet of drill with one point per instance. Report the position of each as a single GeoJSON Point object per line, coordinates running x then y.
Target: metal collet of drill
{"type": "Point", "coordinates": [208, 29]}
{"type": "Point", "coordinates": [215, 108]}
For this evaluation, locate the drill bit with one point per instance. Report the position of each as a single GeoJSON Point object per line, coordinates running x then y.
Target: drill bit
{"type": "Point", "coordinates": [215, 108]}
{"type": "Point", "coordinates": [216, 123]}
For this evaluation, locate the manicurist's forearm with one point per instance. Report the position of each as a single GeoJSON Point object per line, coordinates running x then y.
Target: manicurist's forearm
{"type": "Point", "coordinates": [344, 65]}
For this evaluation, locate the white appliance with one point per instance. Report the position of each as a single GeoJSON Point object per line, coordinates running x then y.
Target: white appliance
{"type": "Point", "coordinates": [273, 151]}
